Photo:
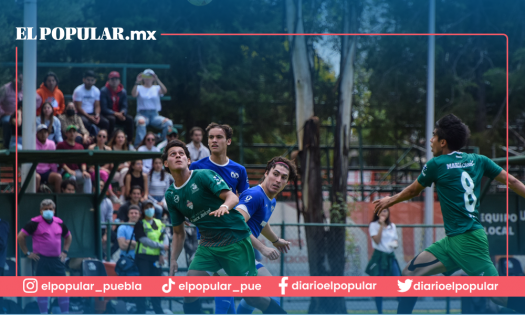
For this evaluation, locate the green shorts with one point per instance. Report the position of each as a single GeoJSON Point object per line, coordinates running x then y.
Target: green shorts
{"type": "Point", "coordinates": [236, 259]}
{"type": "Point", "coordinates": [468, 251]}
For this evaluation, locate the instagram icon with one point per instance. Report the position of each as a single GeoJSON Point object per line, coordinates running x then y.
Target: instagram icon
{"type": "Point", "coordinates": [30, 285]}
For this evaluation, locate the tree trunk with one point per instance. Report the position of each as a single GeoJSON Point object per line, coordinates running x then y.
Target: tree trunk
{"type": "Point", "coordinates": [304, 97]}
{"type": "Point", "coordinates": [337, 236]}
{"type": "Point", "coordinates": [308, 140]}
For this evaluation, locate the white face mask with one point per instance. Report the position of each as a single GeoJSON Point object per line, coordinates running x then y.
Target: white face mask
{"type": "Point", "coordinates": [48, 214]}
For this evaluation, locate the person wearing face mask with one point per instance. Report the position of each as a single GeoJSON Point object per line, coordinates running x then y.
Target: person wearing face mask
{"type": "Point", "coordinates": [48, 256]}
{"type": "Point", "coordinates": [70, 118]}
{"type": "Point", "coordinates": [149, 254]}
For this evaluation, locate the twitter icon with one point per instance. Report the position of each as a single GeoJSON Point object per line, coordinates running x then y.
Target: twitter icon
{"type": "Point", "coordinates": [403, 287]}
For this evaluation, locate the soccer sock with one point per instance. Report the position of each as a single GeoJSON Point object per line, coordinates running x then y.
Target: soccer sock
{"type": "Point", "coordinates": [379, 305]}
{"type": "Point", "coordinates": [406, 305]}
{"type": "Point", "coordinates": [42, 304]}
{"type": "Point", "coordinates": [63, 302]}
{"type": "Point", "coordinates": [516, 304]}
{"type": "Point", "coordinates": [274, 308]}
{"type": "Point", "coordinates": [244, 308]}
{"type": "Point", "coordinates": [224, 305]}
{"type": "Point", "coordinates": [193, 307]}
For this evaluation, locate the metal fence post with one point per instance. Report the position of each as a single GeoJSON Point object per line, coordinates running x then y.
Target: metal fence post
{"type": "Point", "coordinates": [448, 304]}
{"type": "Point", "coordinates": [97, 211]}
{"type": "Point", "coordinates": [283, 228]}
{"type": "Point", "coordinates": [108, 241]}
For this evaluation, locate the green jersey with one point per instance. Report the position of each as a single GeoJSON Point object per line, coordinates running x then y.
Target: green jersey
{"type": "Point", "coordinates": [458, 181]}
{"type": "Point", "coordinates": [195, 199]}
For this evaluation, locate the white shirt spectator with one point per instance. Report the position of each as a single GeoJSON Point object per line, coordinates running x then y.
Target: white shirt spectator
{"type": "Point", "coordinates": [148, 98]}
{"type": "Point", "coordinates": [388, 235]}
{"type": "Point", "coordinates": [147, 164]}
{"type": "Point", "coordinates": [156, 186]}
{"type": "Point", "coordinates": [197, 154]}
{"type": "Point", "coordinates": [87, 97]}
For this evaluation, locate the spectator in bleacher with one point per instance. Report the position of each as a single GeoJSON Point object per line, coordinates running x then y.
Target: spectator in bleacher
{"type": "Point", "coordinates": [49, 92]}
{"type": "Point", "coordinates": [149, 255]}
{"type": "Point", "coordinates": [148, 105]}
{"type": "Point", "coordinates": [68, 186]}
{"type": "Point", "coordinates": [47, 231]}
{"type": "Point", "coordinates": [8, 106]}
{"type": "Point", "coordinates": [70, 118]}
{"type": "Point", "coordinates": [172, 135]}
{"type": "Point", "coordinates": [76, 171]}
{"type": "Point", "coordinates": [196, 147]}
{"type": "Point", "coordinates": [158, 182]}
{"type": "Point", "coordinates": [100, 144]}
{"type": "Point", "coordinates": [14, 126]}
{"type": "Point", "coordinates": [384, 241]}
{"type": "Point", "coordinates": [120, 143]}
{"type": "Point", "coordinates": [134, 200]}
{"type": "Point", "coordinates": [125, 232]}
{"type": "Point", "coordinates": [148, 145]}
{"type": "Point", "coordinates": [136, 177]}
{"type": "Point", "coordinates": [48, 118]}
{"type": "Point", "coordinates": [87, 102]}
{"type": "Point", "coordinates": [106, 215]}
{"type": "Point", "coordinates": [114, 105]}
{"type": "Point", "coordinates": [46, 173]}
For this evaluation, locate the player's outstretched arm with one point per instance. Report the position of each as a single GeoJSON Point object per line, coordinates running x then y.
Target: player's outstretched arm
{"type": "Point", "coordinates": [282, 245]}
{"type": "Point", "coordinates": [514, 183]}
{"type": "Point", "coordinates": [230, 201]}
{"type": "Point", "coordinates": [408, 193]}
{"type": "Point", "coordinates": [179, 235]}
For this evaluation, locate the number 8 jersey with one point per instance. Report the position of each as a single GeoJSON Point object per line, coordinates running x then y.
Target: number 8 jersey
{"type": "Point", "coordinates": [458, 181]}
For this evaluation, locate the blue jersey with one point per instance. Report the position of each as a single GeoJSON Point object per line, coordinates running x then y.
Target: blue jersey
{"type": "Point", "coordinates": [256, 203]}
{"type": "Point", "coordinates": [234, 174]}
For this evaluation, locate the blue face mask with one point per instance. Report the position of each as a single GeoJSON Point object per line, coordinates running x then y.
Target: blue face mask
{"type": "Point", "coordinates": [150, 212]}
{"type": "Point", "coordinates": [48, 214]}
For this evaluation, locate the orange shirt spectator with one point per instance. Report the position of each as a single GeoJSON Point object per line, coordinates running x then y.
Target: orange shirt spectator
{"type": "Point", "coordinates": [49, 92]}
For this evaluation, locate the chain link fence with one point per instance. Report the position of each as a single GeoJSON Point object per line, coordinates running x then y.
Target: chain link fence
{"type": "Point", "coordinates": [355, 252]}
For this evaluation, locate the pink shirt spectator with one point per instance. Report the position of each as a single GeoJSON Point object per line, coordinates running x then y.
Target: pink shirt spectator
{"type": "Point", "coordinates": [44, 167]}
{"type": "Point", "coordinates": [7, 102]}
{"type": "Point", "coordinates": [46, 236]}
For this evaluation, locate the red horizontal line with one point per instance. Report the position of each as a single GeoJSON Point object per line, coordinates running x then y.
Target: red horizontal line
{"type": "Point", "coordinates": [332, 34]}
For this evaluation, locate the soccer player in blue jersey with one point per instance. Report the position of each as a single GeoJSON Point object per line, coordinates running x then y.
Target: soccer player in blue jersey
{"type": "Point", "coordinates": [457, 178]}
{"type": "Point", "coordinates": [235, 176]}
{"type": "Point", "coordinates": [256, 205]}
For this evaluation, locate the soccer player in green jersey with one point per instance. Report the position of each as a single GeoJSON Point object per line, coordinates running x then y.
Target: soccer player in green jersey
{"type": "Point", "coordinates": [457, 178]}
{"type": "Point", "coordinates": [205, 199]}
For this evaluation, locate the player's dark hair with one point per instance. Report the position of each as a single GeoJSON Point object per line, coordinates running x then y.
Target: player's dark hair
{"type": "Point", "coordinates": [89, 74]}
{"type": "Point", "coordinates": [453, 130]}
{"type": "Point", "coordinates": [171, 144]}
{"type": "Point", "coordinates": [376, 217]}
{"type": "Point", "coordinates": [228, 131]}
{"type": "Point", "coordinates": [50, 74]}
{"type": "Point", "coordinates": [192, 130]}
{"type": "Point", "coordinates": [66, 182]}
{"type": "Point", "coordinates": [279, 160]}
